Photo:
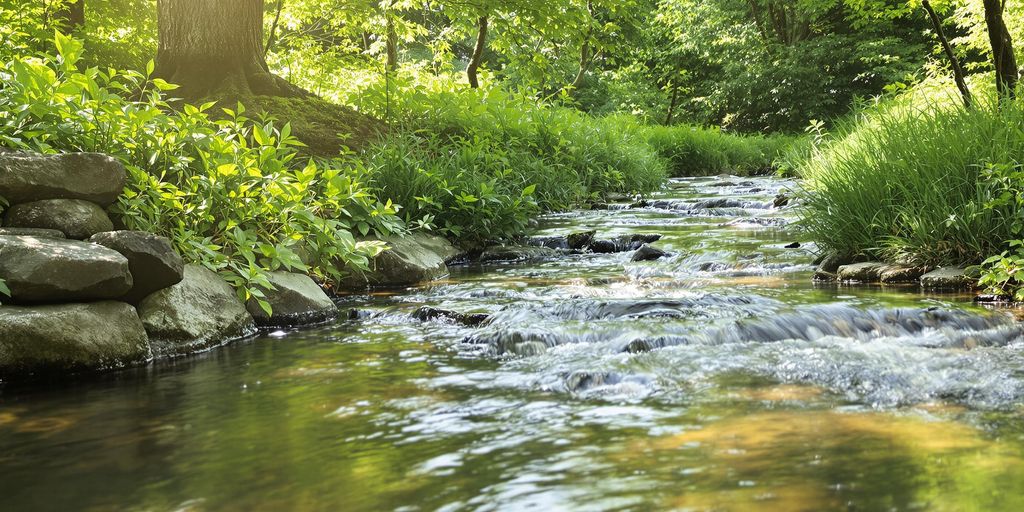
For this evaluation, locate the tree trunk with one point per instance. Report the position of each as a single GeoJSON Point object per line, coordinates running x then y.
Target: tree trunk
{"type": "Point", "coordinates": [672, 106]}
{"type": "Point", "coordinates": [586, 53]}
{"type": "Point", "coordinates": [954, 62]}
{"type": "Point", "coordinates": [478, 53]}
{"type": "Point", "coordinates": [392, 44]}
{"type": "Point", "coordinates": [215, 48]}
{"type": "Point", "coordinates": [1002, 49]}
{"type": "Point", "coordinates": [70, 17]}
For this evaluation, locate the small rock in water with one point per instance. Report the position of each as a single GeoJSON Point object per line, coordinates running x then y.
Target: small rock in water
{"type": "Point", "coordinates": [648, 253]}
{"type": "Point", "coordinates": [580, 240]}
{"type": "Point", "coordinates": [781, 200]}
{"type": "Point", "coordinates": [794, 245]}
{"type": "Point", "coordinates": [426, 314]}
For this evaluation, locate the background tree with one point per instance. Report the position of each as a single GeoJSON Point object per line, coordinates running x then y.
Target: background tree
{"type": "Point", "coordinates": [214, 47]}
{"type": "Point", "coordinates": [1003, 57]}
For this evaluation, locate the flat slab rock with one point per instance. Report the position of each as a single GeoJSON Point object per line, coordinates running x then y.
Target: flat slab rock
{"type": "Point", "coordinates": [151, 259]}
{"type": "Point", "coordinates": [295, 300]}
{"type": "Point", "coordinates": [876, 272]}
{"type": "Point", "coordinates": [93, 177]}
{"type": "Point", "coordinates": [412, 259]}
{"type": "Point", "coordinates": [75, 218]}
{"type": "Point", "coordinates": [40, 233]}
{"type": "Point", "coordinates": [515, 253]}
{"type": "Point", "coordinates": [71, 337]}
{"type": "Point", "coordinates": [949, 278]}
{"type": "Point", "coordinates": [200, 312]}
{"type": "Point", "coordinates": [51, 270]}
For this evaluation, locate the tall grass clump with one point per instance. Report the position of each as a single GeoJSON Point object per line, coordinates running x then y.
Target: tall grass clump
{"type": "Point", "coordinates": [918, 179]}
{"type": "Point", "coordinates": [697, 151]}
{"type": "Point", "coordinates": [479, 164]}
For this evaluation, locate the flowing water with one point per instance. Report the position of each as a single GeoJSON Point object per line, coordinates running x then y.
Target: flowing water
{"type": "Point", "coordinates": [720, 378]}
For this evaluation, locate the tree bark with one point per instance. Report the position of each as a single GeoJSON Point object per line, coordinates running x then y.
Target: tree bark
{"type": "Point", "coordinates": [215, 48]}
{"type": "Point", "coordinates": [478, 53]}
{"type": "Point", "coordinates": [70, 17]}
{"type": "Point", "coordinates": [672, 106]}
{"type": "Point", "coordinates": [392, 44]}
{"type": "Point", "coordinates": [954, 62]}
{"type": "Point", "coordinates": [1002, 49]}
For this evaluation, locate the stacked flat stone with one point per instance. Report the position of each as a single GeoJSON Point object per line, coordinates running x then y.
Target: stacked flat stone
{"type": "Point", "coordinates": [84, 297]}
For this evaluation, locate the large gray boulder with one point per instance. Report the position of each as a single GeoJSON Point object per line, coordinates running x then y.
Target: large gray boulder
{"type": "Point", "coordinates": [412, 259]}
{"type": "Point", "coordinates": [70, 337]}
{"type": "Point", "coordinates": [75, 218]}
{"type": "Point", "coordinates": [200, 312]}
{"type": "Point", "coordinates": [52, 270]}
{"type": "Point", "coordinates": [152, 260]}
{"type": "Point", "coordinates": [90, 177]}
{"type": "Point", "coordinates": [295, 300]}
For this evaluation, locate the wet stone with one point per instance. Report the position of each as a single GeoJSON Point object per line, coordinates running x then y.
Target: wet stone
{"type": "Point", "coordinates": [427, 314]}
{"type": "Point", "coordinates": [648, 253]}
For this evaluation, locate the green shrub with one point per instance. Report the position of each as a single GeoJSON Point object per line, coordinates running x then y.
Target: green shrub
{"type": "Point", "coordinates": [232, 194]}
{"type": "Point", "coordinates": [480, 164]}
{"type": "Point", "coordinates": [918, 179]}
{"type": "Point", "coordinates": [696, 151]}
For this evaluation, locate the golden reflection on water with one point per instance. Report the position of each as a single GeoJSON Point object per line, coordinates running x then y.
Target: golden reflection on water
{"type": "Point", "coordinates": [766, 460]}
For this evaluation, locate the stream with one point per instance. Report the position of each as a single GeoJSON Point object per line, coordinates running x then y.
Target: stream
{"type": "Point", "coordinates": [718, 378]}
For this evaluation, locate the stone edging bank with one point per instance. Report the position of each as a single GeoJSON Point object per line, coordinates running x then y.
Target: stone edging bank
{"type": "Point", "coordinates": [85, 297]}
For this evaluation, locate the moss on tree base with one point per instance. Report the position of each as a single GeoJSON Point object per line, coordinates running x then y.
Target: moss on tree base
{"type": "Point", "coordinates": [325, 128]}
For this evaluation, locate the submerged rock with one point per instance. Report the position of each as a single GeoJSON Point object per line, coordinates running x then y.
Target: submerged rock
{"type": "Point", "coordinates": [648, 253]}
{"type": "Point", "coordinates": [52, 270]}
{"type": "Point", "coordinates": [295, 300]}
{"type": "Point", "coordinates": [90, 177]}
{"type": "Point", "coordinates": [71, 337]}
{"type": "Point", "coordinates": [517, 254]}
{"type": "Point", "coordinates": [153, 263]}
{"type": "Point", "coordinates": [411, 259]}
{"type": "Point", "coordinates": [949, 278]}
{"type": "Point", "coordinates": [75, 218]}
{"type": "Point", "coordinates": [200, 312]}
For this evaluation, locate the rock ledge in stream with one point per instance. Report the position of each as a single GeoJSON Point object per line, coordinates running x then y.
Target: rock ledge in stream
{"type": "Point", "coordinates": [519, 254]}
{"type": "Point", "coordinates": [427, 314]}
{"type": "Point", "coordinates": [296, 300]}
{"type": "Point", "coordinates": [948, 278]}
{"type": "Point", "coordinates": [200, 312]}
{"type": "Point", "coordinates": [412, 259]}
{"type": "Point", "coordinates": [876, 272]}
{"type": "Point", "coordinates": [67, 338]}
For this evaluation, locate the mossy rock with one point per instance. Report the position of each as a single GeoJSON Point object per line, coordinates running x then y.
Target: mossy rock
{"type": "Point", "coordinates": [324, 127]}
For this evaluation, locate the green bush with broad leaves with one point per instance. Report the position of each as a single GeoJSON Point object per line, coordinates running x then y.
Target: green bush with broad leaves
{"type": "Point", "coordinates": [231, 192]}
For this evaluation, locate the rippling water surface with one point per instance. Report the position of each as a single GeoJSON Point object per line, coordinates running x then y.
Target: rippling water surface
{"type": "Point", "coordinates": [719, 378]}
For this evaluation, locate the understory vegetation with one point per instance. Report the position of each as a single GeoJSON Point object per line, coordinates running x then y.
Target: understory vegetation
{"type": "Point", "coordinates": [918, 179]}
{"type": "Point", "coordinates": [469, 120]}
